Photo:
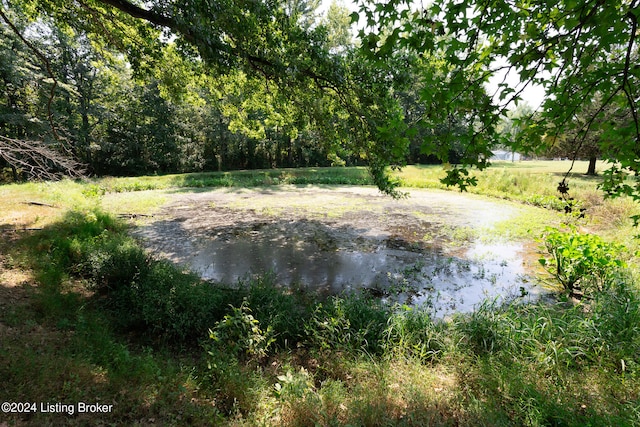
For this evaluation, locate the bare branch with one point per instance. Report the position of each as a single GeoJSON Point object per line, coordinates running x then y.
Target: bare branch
{"type": "Point", "coordinates": [38, 160]}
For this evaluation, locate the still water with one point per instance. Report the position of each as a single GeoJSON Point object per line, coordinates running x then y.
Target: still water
{"type": "Point", "coordinates": [443, 283]}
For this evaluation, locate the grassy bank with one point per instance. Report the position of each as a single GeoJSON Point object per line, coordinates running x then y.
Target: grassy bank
{"type": "Point", "coordinates": [109, 324]}
{"type": "Point", "coordinates": [88, 317]}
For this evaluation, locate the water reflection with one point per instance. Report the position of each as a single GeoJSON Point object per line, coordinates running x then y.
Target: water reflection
{"type": "Point", "coordinates": [443, 283]}
{"type": "Point", "coordinates": [347, 238]}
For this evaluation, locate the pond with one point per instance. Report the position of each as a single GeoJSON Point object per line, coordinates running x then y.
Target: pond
{"type": "Point", "coordinates": [427, 250]}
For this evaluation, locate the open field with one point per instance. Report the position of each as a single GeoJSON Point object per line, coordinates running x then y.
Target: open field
{"type": "Point", "coordinates": [86, 316]}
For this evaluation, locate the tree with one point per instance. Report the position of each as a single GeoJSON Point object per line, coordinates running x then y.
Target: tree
{"type": "Point", "coordinates": [27, 144]}
{"type": "Point", "coordinates": [303, 11]}
{"type": "Point", "coordinates": [338, 25]}
{"type": "Point", "coordinates": [258, 38]}
{"type": "Point", "coordinates": [573, 49]}
{"type": "Point", "coordinates": [577, 142]}
{"type": "Point", "coordinates": [511, 124]}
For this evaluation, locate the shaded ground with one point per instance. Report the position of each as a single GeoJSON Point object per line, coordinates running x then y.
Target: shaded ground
{"type": "Point", "coordinates": [15, 288]}
{"type": "Point", "coordinates": [425, 249]}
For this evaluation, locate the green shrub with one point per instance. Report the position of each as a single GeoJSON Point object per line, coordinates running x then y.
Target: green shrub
{"type": "Point", "coordinates": [113, 262]}
{"type": "Point", "coordinates": [582, 263]}
{"type": "Point", "coordinates": [234, 341]}
{"type": "Point", "coordinates": [168, 304]}
{"type": "Point", "coordinates": [125, 187]}
{"type": "Point", "coordinates": [62, 249]}
{"type": "Point", "coordinates": [239, 334]}
{"type": "Point", "coordinates": [546, 201]}
{"type": "Point", "coordinates": [93, 190]}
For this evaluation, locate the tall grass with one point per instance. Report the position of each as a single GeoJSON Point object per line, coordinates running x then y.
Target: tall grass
{"type": "Point", "coordinates": [110, 323]}
{"type": "Point", "coordinates": [532, 182]}
{"type": "Point", "coordinates": [268, 355]}
{"type": "Point", "coordinates": [535, 183]}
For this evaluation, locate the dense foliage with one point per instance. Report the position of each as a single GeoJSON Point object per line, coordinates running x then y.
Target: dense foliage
{"type": "Point", "coordinates": [582, 54]}
{"type": "Point", "coordinates": [262, 86]}
{"type": "Point", "coordinates": [266, 84]}
{"type": "Point", "coordinates": [583, 264]}
{"type": "Point", "coordinates": [172, 117]}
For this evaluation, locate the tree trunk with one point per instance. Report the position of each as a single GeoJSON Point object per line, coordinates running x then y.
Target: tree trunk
{"type": "Point", "coordinates": [592, 166]}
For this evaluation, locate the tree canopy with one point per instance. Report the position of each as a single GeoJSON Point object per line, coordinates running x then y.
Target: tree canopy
{"type": "Point", "coordinates": [417, 76]}
{"type": "Point", "coordinates": [574, 49]}
{"type": "Point", "coordinates": [272, 44]}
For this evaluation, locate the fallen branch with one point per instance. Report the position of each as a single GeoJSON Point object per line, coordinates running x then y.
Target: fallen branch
{"type": "Point", "coordinates": [133, 215]}
{"type": "Point", "coordinates": [15, 230]}
{"type": "Point", "coordinates": [40, 204]}
{"type": "Point", "coordinates": [38, 160]}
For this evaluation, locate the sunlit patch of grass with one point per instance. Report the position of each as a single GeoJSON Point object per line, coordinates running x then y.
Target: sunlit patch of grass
{"type": "Point", "coordinates": [243, 178]}
{"type": "Point", "coordinates": [397, 392]}
{"type": "Point", "coordinates": [528, 221]}
{"type": "Point", "coordinates": [36, 204]}
{"type": "Point", "coordinates": [144, 202]}
{"type": "Point", "coordinates": [516, 181]}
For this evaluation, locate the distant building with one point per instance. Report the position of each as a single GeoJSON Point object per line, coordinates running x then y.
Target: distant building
{"type": "Point", "coordinates": [511, 156]}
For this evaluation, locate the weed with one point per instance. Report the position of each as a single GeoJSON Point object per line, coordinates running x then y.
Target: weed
{"type": "Point", "coordinates": [284, 313]}
{"type": "Point", "coordinates": [239, 334]}
{"type": "Point", "coordinates": [410, 332]}
{"type": "Point", "coordinates": [352, 323]}
{"type": "Point", "coordinates": [582, 263]}
{"type": "Point", "coordinates": [293, 385]}
{"type": "Point", "coordinates": [93, 190]}
{"type": "Point", "coordinates": [233, 341]}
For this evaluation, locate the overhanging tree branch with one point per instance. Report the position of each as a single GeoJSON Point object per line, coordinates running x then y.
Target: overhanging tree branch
{"type": "Point", "coordinates": [147, 15]}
